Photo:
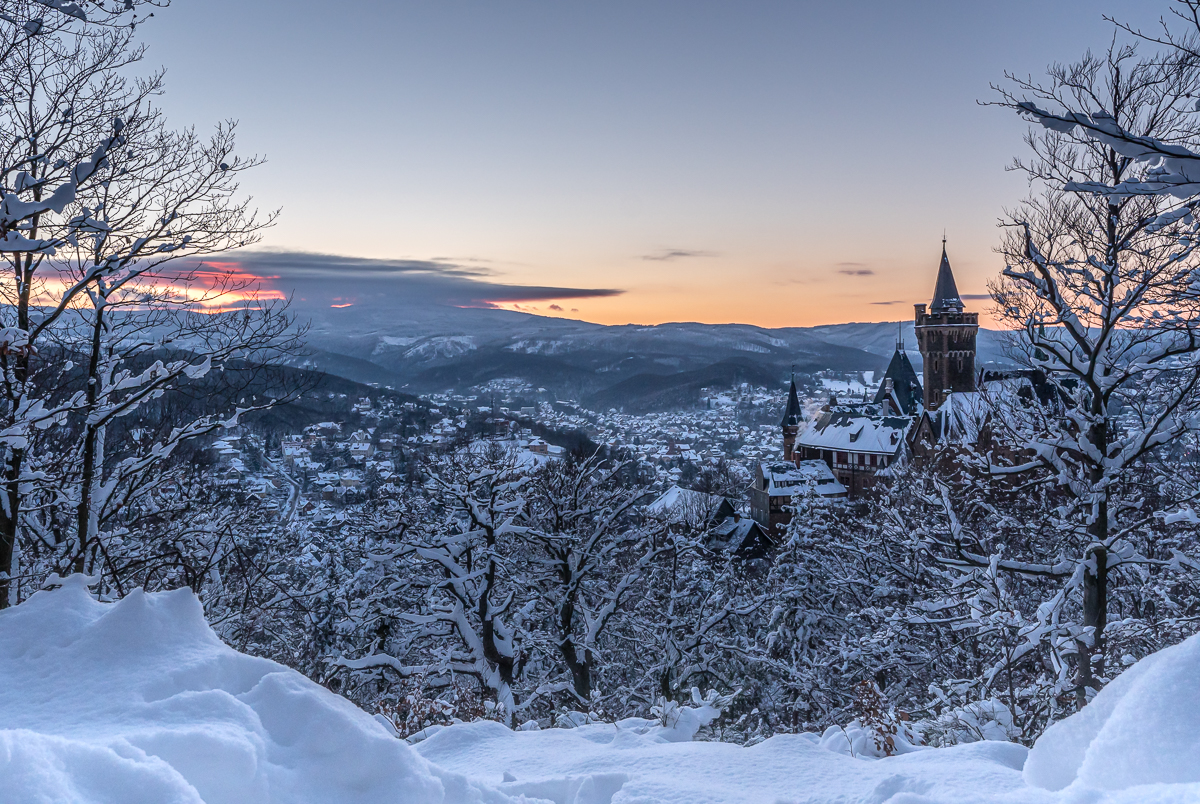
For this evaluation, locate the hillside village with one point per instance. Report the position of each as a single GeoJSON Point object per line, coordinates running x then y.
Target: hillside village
{"type": "Point", "coordinates": [313, 473]}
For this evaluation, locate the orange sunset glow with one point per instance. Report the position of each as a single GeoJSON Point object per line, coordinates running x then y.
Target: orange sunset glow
{"type": "Point", "coordinates": [212, 287]}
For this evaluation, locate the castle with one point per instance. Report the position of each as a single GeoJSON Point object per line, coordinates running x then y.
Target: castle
{"type": "Point", "coordinates": [849, 446]}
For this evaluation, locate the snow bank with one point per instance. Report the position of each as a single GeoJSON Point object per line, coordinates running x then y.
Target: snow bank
{"type": "Point", "coordinates": [626, 762]}
{"type": "Point", "coordinates": [138, 702]}
{"type": "Point", "coordinates": [1138, 742]}
{"type": "Point", "coordinates": [1142, 729]}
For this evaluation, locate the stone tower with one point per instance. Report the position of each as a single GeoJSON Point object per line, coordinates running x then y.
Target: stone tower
{"type": "Point", "coordinates": [791, 423]}
{"type": "Point", "coordinates": [946, 337]}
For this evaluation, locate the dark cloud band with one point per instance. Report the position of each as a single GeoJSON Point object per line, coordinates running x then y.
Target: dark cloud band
{"type": "Point", "coordinates": [324, 279]}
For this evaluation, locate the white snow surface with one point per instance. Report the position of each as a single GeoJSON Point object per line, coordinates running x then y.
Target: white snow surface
{"type": "Point", "coordinates": [139, 702]}
{"type": "Point", "coordinates": [609, 764]}
{"type": "Point", "coordinates": [1141, 729]}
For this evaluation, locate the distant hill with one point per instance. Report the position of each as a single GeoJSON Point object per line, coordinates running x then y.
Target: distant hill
{"type": "Point", "coordinates": [880, 339]}
{"type": "Point", "coordinates": [634, 367]}
{"type": "Point", "coordinates": [642, 393]}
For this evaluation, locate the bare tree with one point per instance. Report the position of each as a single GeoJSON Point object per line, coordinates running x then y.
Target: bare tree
{"type": "Point", "coordinates": [1100, 285]}
{"type": "Point", "coordinates": [591, 556]}
{"type": "Point", "coordinates": [100, 201]}
{"type": "Point", "coordinates": [466, 559]}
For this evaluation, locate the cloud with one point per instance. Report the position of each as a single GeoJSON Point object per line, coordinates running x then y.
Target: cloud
{"type": "Point", "coordinates": [848, 269]}
{"type": "Point", "coordinates": [975, 296]}
{"type": "Point", "coordinates": [299, 265]}
{"type": "Point", "coordinates": [667, 255]}
{"type": "Point", "coordinates": [556, 308]}
{"type": "Point", "coordinates": [325, 280]}
{"type": "Point", "coordinates": [897, 301]}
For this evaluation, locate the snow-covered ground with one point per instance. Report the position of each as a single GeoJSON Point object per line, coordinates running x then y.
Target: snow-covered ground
{"type": "Point", "coordinates": [602, 763]}
{"type": "Point", "coordinates": [138, 702]}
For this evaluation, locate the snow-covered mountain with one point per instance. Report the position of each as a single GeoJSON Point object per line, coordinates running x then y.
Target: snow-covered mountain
{"type": "Point", "coordinates": [445, 348]}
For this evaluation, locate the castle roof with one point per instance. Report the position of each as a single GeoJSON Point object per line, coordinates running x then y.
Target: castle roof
{"type": "Point", "coordinates": [906, 387]}
{"type": "Point", "coordinates": [793, 414]}
{"type": "Point", "coordinates": [854, 431]}
{"type": "Point", "coordinates": [945, 292]}
{"type": "Point", "coordinates": [960, 417]}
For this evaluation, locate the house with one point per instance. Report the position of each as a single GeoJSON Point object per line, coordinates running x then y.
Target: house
{"type": "Point", "coordinates": [967, 417]}
{"type": "Point", "coordinates": [855, 442]}
{"type": "Point", "coordinates": [742, 537]}
{"type": "Point", "coordinates": [293, 452]}
{"type": "Point", "coordinates": [776, 484]}
{"type": "Point", "coordinates": [726, 529]}
{"type": "Point", "coordinates": [685, 507]}
{"type": "Point", "coordinates": [361, 450]}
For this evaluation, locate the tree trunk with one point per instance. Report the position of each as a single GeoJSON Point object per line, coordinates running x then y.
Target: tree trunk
{"type": "Point", "coordinates": [581, 668]}
{"type": "Point", "coordinates": [8, 523]}
{"type": "Point", "coordinates": [91, 448]}
{"type": "Point", "coordinates": [1095, 573]}
{"type": "Point", "coordinates": [1095, 617]}
{"type": "Point", "coordinates": [505, 664]}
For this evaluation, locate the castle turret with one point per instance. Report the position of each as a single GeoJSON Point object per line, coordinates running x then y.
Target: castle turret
{"type": "Point", "coordinates": [946, 337]}
{"type": "Point", "coordinates": [791, 422]}
{"type": "Point", "coordinates": [900, 392]}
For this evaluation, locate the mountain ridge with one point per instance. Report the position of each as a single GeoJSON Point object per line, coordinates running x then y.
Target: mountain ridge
{"type": "Point", "coordinates": [627, 365]}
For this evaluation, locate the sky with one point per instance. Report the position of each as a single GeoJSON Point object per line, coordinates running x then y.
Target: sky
{"type": "Point", "coordinates": [773, 163]}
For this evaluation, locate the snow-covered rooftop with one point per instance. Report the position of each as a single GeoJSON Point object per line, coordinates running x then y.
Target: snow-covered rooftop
{"type": "Point", "coordinates": [854, 431]}
{"type": "Point", "coordinates": [785, 479]}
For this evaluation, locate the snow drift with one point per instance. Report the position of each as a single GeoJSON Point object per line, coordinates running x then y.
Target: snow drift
{"type": "Point", "coordinates": [139, 702]}
{"type": "Point", "coordinates": [626, 762]}
{"type": "Point", "coordinates": [1142, 729]}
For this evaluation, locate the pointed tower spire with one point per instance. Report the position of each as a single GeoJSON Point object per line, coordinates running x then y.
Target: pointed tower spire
{"type": "Point", "coordinates": [791, 421]}
{"type": "Point", "coordinates": [791, 416]}
{"type": "Point", "coordinates": [945, 292]}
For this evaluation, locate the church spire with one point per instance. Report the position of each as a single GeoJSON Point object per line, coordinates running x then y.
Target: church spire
{"type": "Point", "coordinates": [945, 292]}
{"type": "Point", "coordinates": [792, 415]}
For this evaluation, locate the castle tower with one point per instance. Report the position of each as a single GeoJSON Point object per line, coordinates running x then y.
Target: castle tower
{"type": "Point", "coordinates": [946, 338]}
{"type": "Point", "coordinates": [791, 423]}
